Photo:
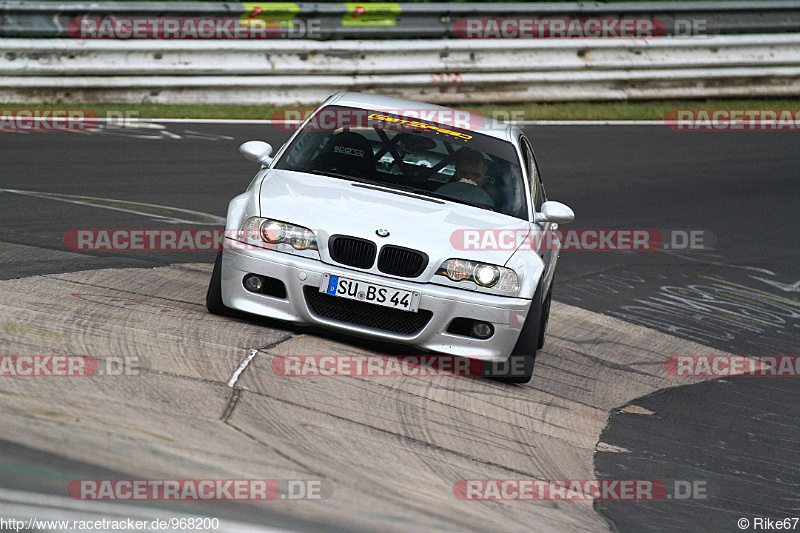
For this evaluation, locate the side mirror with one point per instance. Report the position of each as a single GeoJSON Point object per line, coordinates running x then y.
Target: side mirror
{"type": "Point", "coordinates": [257, 152]}
{"type": "Point", "coordinates": [555, 212]}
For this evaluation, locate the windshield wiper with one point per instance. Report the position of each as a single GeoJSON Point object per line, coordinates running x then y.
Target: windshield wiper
{"type": "Point", "coordinates": [393, 189]}
{"type": "Point", "coordinates": [434, 194]}
{"type": "Point", "coordinates": [460, 201]}
{"type": "Point", "coordinates": [414, 190]}
{"type": "Point", "coordinates": [341, 176]}
{"type": "Point", "coordinates": [373, 183]}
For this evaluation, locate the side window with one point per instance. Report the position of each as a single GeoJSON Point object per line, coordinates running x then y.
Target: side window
{"type": "Point", "coordinates": [526, 157]}
{"type": "Point", "coordinates": [541, 197]}
{"type": "Point", "coordinates": [305, 148]}
{"type": "Point", "coordinates": [531, 170]}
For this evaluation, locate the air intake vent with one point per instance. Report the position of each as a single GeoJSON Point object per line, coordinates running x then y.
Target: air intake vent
{"type": "Point", "coordinates": [365, 314]}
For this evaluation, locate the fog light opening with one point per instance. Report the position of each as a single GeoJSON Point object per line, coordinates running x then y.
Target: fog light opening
{"type": "Point", "coordinates": [482, 330]}
{"type": "Point", "coordinates": [253, 283]}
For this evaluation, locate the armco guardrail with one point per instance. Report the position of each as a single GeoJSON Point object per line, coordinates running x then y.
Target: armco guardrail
{"type": "Point", "coordinates": [64, 57]}
{"type": "Point", "coordinates": [407, 20]}
{"type": "Point", "coordinates": [448, 71]}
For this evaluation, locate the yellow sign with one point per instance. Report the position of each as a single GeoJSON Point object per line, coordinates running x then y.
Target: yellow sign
{"type": "Point", "coordinates": [369, 14]}
{"type": "Point", "coordinates": [280, 14]}
{"type": "Point", "coordinates": [415, 124]}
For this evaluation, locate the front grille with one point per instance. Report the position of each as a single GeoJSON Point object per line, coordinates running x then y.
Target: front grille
{"type": "Point", "coordinates": [402, 261]}
{"type": "Point", "coordinates": [351, 251]}
{"type": "Point", "coordinates": [364, 314]}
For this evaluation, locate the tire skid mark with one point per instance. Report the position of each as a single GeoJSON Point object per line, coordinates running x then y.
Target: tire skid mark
{"type": "Point", "coordinates": [395, 434]}
{"type": "Point", "coordinates": [306, 469]}
{"type": "Point", "coordinates": [456, 426]}
{"type": "Point", "coordinates": [119, 289]}
{"type": "Point", "coordinates": [399, 444]}
{"type": "Point", "coordinates": [231, 405]}
{"type": "Point", "coordinates": [422, 397]}
{"type": "Point", "coordinates": [603, 362]}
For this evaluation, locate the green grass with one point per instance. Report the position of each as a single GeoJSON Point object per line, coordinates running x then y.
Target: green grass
{"type": "Point", "coordinates": [543, 111]}
{"type": "Point", "coordinates": [627, 110]}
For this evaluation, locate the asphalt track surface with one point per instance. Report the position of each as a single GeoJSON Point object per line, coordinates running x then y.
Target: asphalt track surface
{"type": "Point", "coordinates": [600, 403]}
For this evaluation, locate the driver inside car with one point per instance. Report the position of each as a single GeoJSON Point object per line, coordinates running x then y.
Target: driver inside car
{"type": "Point", "coordinates": [471, 169]}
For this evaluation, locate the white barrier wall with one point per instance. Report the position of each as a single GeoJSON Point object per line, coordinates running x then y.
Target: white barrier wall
{"type": "Point", "coordinates": [458, 71]}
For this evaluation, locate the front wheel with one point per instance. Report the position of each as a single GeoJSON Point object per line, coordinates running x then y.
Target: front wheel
{"type": "Point", "coordinates": [519, 367]}
{"type": "Point", "coordinates": [545, 316]}
{"type": "Point", "coordinates": [214, 295]}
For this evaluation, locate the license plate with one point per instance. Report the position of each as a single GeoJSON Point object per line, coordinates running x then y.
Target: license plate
{"type": "Point", "coordinates": [369, 292]}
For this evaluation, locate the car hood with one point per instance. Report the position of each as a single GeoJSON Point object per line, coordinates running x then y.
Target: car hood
{"type": "Point", "coordinates": [331, 206]}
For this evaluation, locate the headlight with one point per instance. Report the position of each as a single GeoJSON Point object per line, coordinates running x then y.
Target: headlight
{"type": "Point", "coordinates": [277, 232]}
{"type": "Point", "coordinates": [498, 277]}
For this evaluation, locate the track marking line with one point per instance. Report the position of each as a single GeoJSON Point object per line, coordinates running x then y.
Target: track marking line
{"type": "Point", "coordinates": [238, 372]}
{"type": "Point", "coordinates": [785, 287]}
{"type": "Point", "coordinates": [636, 410]}
{"type": "Point", "coordinates": [128, 207]}
{"type": "Point", "coordinates": [610, 448]}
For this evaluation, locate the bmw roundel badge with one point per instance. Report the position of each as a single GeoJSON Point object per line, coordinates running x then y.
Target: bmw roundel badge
{"type": "Point", "coordinates": [382, 233]}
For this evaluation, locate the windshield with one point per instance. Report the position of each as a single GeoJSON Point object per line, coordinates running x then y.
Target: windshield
{"type": "Point", "coordinates": [418, 156]}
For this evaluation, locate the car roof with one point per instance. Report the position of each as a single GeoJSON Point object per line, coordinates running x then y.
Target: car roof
{"type": "Point", "coordinates": [487, 126]}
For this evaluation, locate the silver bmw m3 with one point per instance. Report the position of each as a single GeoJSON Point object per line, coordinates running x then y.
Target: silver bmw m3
{"type": "Point", "coordinates": [400, 221]}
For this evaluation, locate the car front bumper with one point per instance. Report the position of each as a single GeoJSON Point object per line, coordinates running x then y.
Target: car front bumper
{"type": "Point", "coordinates": [507, 315]}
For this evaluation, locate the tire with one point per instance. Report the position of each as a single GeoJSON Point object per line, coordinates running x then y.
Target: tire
{"type": "Point", "coordinates": [545, 316]}
{"type": "Point", "coordinates": [214, 295]}
{"type": "Point", "coordinates": [519, 367]}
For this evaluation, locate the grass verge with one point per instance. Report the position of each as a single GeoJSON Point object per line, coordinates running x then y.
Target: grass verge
{"type": "Point", "coordinates": [528, 111]}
